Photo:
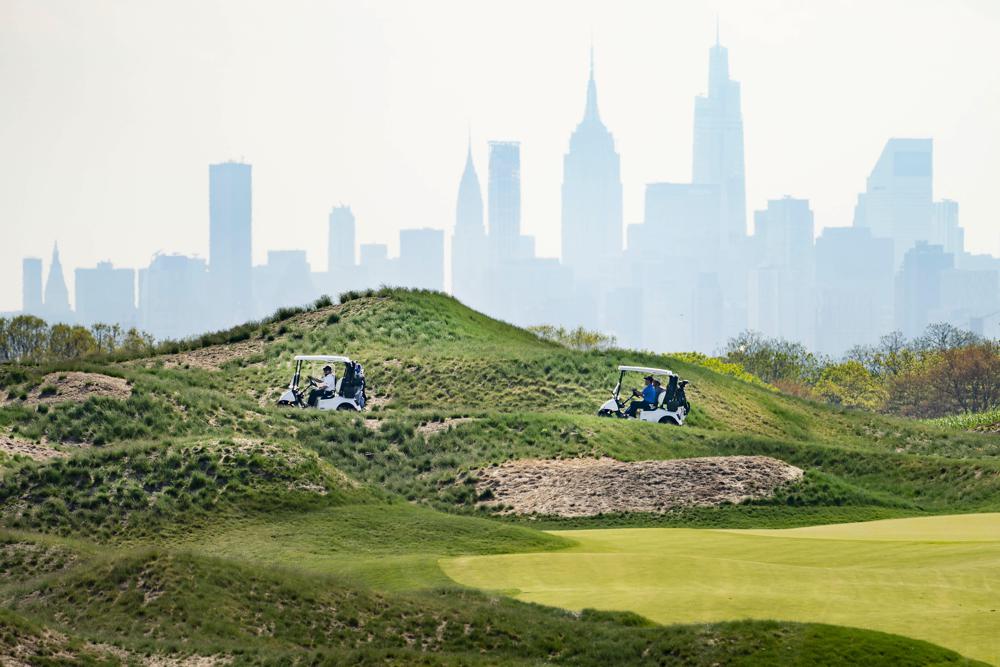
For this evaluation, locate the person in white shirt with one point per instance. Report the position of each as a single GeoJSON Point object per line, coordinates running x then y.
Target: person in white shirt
{"type": "Point", "coordinates": [324, 387]}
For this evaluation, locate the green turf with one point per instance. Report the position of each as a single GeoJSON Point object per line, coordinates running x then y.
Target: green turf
{"type": "Point", "coordinates": [936, 579]}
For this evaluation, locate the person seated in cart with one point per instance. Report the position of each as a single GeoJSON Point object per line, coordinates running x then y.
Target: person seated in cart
{"type": "Point", "coordinates": [644, 401]}
{"type": "Point", "coordinates": [324, 387]}
{"type": "Point", "coordinates": [659, 389]}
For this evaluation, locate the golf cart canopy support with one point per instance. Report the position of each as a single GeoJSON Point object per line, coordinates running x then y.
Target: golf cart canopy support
{"type": "Point", "coordinates": [643, 369]}
{"type": "Point", "coordinates": [322, 357]}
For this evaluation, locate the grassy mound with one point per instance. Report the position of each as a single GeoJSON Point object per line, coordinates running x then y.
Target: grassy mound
{"type": "Point", "coordinates": [145, 490]}
{"type": "Point", "coordinates": [183, 604]}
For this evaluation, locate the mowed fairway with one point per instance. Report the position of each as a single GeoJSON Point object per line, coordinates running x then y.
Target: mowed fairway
{"type": "Point", "coordinates": [936, 578]}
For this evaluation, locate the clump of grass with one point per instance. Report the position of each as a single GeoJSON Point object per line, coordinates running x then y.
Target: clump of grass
{"type": "Point", "coordinates": [145, 489]}
{"type": "Point", "coordinates": [971, 421]}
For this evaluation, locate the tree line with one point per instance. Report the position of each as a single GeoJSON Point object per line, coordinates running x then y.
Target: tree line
{"type": "Point", "coordinates": [943, 372]}
{"type": "Point", "coordinates": [27, 338]}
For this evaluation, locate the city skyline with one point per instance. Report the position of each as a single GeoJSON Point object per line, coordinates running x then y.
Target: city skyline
{"type": "Point", "coordinates": [678, 72]}
{"type": "Point", "coordinates": [688, 276]}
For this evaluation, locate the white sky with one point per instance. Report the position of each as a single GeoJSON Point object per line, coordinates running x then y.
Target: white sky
{"type": "Point", "coordinates": [110, 112]}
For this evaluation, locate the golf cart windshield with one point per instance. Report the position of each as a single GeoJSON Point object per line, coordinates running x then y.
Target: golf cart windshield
{"type": "Point", "coordinates": [636, 369]}
{"type": "Point", "coordinates": [326, 358]}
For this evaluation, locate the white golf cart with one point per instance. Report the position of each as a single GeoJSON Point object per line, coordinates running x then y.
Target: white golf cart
{"type": "Point", "coordinates": [671, 403]}
{"type": "Point", "coordinates": [348, 392]}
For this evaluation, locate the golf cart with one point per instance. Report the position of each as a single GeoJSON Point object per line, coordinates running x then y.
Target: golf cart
{"type": "Point", "coordinates": [348, 392]}
{"type": "Point", "coordinates": [671, 404]}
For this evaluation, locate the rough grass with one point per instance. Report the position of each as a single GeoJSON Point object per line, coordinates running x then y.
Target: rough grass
{"type": "Point", "coordinates": [144, 490]}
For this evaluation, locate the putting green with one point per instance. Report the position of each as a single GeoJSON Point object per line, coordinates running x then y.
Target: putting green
{"type": "Point", "coordinates": [936, 579]}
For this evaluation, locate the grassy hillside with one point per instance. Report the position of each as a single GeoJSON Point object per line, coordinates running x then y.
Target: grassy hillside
{"type": "Point", "coordinates": [195, 517]}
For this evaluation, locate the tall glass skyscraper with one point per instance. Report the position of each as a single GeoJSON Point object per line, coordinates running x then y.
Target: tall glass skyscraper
{"type": "Point", "coordinates": [229, 246]}
{"type": "Point", "coordinates": [341, 242]}
{"type": "Point", "coordinates": [898, 201]}
{"type": "Point", "coordinates": [718, 145]}
{"type": "Point", "coordinates": [505, 199]}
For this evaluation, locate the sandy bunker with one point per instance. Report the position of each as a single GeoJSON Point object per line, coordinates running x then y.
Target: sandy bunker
{"type": "Point", "coordinates": [588, 486]}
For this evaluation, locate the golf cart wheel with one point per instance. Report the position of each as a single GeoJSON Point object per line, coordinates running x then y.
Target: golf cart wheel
{"type": "Point", "coordinates": [605, 413]}
{"type": "Point", "coordinates": [670, 421]}
{"type": "Point", "coordinates": [346, 406]}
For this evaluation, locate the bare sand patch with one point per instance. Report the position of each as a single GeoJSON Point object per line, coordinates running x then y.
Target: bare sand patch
{"type": "Point", "coordinates": [588, 486]}
{"type": "Point", "coordinates": [75, 386]}
{"type": "Point", "coordinates": [430, 429]}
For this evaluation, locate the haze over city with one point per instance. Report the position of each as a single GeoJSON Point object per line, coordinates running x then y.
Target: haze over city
{"type": "Point", "coordinates": [371, 105]}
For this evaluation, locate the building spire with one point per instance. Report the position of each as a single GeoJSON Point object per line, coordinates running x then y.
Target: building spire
{"type": "Point", "coordinates": [56, 294]}
{"type": "Point", "coordinates": [591, 112]}
{"type": "Point", "coordinates": [717, 41]}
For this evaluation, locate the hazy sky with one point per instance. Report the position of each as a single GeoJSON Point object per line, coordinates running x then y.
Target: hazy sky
{"type": "Point", "coordinates": [112, 111]}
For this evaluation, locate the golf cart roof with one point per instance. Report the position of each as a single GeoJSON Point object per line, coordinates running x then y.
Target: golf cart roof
{"type": "Point", "coordinates": [321, 357]}
{"type": "Point", "coordinates": [643, 369]}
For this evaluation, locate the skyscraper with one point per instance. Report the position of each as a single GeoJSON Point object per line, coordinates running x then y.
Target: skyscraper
{"type": "Point", "coordinates": [340, 253]}
{"type": "Point", "coordinates": [421, 258]}
{"type": "Point", "coordinates": [897, 202]}
{"type": "Point", "coordinates": [468, 241]}
{"type": "Point", "coordinates": [172, 296]}
{"type": "Point", "coordinates": [286, 280]}
{"type": "Point", "coordinates": [945, 230]}
{"type": "Point", "coordinates": [31, 286]}
{"type": "Point", "coordinates": [229, 247]}
{"type": "Point", "coordinates": [505, 200]}
{"type": "Point", "coordinates": [105, 294]}
{"type": "Point", "coordinates": [56, 306]}
{"type": "Point", "coordinates": [718, 144]}
{"type": "Point", "coordinates": [918, 286]}
{"type": "Point", "coordinates": [591, 193]}
{"type": "Point", "coordinates": [686, 218]}
{"type": "Point", "coordinates": [780, 295]}
{"type": "Point", "coordinates": [854, 288]}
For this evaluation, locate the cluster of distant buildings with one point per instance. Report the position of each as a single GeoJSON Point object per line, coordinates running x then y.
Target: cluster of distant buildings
{"type": "Point", "coordinates": [686, 277]}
